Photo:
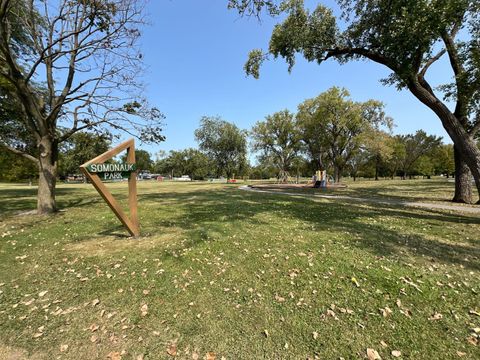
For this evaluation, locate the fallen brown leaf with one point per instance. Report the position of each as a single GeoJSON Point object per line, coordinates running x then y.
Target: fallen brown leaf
{"type": "Point", "coordinates": [210, 356]}
{"type": "Point", "coordinates": [114, 355]}
{"type": "Point", "coordinates": [144, 309]}
{"type": "Point", "coordinates": [373, 354]}
{"type": "Point", "coordinates": [172, 350]}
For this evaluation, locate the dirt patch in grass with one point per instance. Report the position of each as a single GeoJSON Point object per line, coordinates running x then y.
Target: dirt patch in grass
{"type": "Point", "coordinates": [120, 243]}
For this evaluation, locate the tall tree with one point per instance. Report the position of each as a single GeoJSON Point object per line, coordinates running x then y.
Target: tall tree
{"type": "Point", "coordinates": [278, 140]}
{"type": "Point", "coordinates": [336, 123]}
{"type": "Point", "coordinates": [378, 146]}
{"type": "Point", "coordinates": [416, 145]}
{"type": "Point", "coordinates": [407, 37]}
{"type": "Point", "coordinates": [443, 158]}
{"type": "Point", "coordinates": [224, 143]}
{"type": "Point", "coordinates": [85, 55]}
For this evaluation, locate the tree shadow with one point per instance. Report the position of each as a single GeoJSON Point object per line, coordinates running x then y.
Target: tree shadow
{"type": "Point", "coordinates": [209, 209]}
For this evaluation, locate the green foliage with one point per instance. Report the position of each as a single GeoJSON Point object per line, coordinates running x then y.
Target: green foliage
{"type": "Point", "coordinates": [332, 126]}
{"type": "Point", "coordinates": [81, 147]}
{"type": "Point", "coordinates": [416, 146]}
{"type": "Point", "coordinates": [224, 143]}
{"type": "Point", "coordinates": [142, 159]}
{"type": "Point", "coordinates": [16, 168]}
{"type": "Point", "coordinates": [277, 138]}
{"type": "Point", "coordinates": [443, 159]}
{"type": "Point", "coordinates": [406, 36]}
{"type": "Point", "coordinates": [189, 161]}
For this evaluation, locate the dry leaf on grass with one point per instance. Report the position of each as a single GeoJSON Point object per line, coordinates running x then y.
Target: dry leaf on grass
{"type": "Point", "coordinates": [172, 350]}
{"type": "Point", "coordinates": [436, 316]}
{"type": "Point", "coordinates": [373, 354]}
{"type": "Point", "coordinates": [386, 311]}
{"type": "Point", "coordinates": [472, 340]}
{"type": "Point", "coordinates": [396, 353]}
{"type": "Point", "coordinates": [474, 312]}
{"type": "Point", "coordinates": [210, 356]}
{"type": "Point", "coordinates": [114, 355]}
{"type": "Point", "coordinates": [144, 309]}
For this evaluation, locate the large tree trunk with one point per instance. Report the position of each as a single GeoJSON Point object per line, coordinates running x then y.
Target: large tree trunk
{"type": "Point", "coordinates": [464, 142]}
{"type": "Point", "coordinates": [337, 174]}
{"type": "Point", "coordinates": [463, 176]}
{"type": "Point", "coordinates": [47, 176]}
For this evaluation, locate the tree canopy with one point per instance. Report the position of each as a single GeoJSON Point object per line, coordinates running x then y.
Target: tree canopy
{"type": "Point", "coordinates": [224, 143]}
{"type": "Point", "coordinates": [278, 139]}
{"type": "Point", "coordinates": [332, 125]}
{"type": "Point", "coordinates": [406, 36]}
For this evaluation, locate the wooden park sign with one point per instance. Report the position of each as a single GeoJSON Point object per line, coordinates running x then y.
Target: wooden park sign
{"type": "Point", "coordinates": [96, 170]}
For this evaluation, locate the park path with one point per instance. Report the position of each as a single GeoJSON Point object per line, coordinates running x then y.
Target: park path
{"type": "Point", "coordinates": [459, 208]}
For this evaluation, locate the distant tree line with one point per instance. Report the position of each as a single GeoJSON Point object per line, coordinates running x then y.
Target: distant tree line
{"type": "Point", "coordinates": [329, 132]}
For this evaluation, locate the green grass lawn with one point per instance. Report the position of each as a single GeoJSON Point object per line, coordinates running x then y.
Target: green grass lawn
{"type": "Point", "coordinates": [221, 272]}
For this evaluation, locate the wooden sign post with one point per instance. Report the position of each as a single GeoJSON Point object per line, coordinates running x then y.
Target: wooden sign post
{"type": "Point", "coordinates": [96, 167]}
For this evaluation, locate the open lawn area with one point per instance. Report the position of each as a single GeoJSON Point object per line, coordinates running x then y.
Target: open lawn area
{"type": "Point", "coordinates": [225, 273]}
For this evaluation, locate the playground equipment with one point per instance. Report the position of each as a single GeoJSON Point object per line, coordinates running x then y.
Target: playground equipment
{"type": "Point", "coordinates": [320, 179]}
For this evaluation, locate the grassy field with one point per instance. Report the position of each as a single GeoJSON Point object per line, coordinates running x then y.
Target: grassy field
{"type": "Point", "coordinates": [224, 273]}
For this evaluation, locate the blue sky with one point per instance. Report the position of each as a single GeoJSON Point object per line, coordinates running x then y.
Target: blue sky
{"type": "Point", "coordinates": [195, 51]}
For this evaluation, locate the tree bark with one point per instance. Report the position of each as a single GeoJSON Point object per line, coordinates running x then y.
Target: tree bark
{"type": "Point", "coordinates": [47, 179]}
{"type": "Point", "coordinates": [336, 174]}
{"type": "Point", "coordinates": [463, 141]}
{"type": "Point", "coordinates": [463, 186]}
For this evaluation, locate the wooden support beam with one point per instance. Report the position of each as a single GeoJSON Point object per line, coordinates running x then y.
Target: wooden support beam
{"type": "Point", "coordinates": [130, 222]}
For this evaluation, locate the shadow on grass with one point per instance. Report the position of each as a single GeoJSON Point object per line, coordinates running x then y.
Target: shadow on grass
{"type": "Point", "coordinates": [208, 210]}
{"type": "Point", "coordinates": [17, 200]}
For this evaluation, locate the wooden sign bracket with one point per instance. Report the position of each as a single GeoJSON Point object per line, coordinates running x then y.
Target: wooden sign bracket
{"type": "Point", "coordinates": [130, 222]}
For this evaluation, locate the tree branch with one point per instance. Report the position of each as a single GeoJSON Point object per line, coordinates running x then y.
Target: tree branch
{"type": "Point", "coordinates": [19, 152]}
{"type": "Point", "coordinates": [431, 61]}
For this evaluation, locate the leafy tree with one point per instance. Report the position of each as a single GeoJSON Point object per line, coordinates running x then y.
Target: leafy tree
{"type": "Point", "coordinates": [79, 148]}
{"type": "Point", "coordinates": [416, 145]}
{"type": "Point", "coordinates": [336, 124]}
{"type": "Point", "coordinates": [224, 143]}
{"type": "Point", "coordinates": [378, 146]}
{"type": "Point", "coordinates": [357, 162]}
{"type": "Point", "coordinates": [405, 36]}
{"type": "Point", "coordinates": [398, 153]}
{"type": "Point", "coordinates": [278, 140]}
{"type": "Point", "coordinates": [443, 160]}
{"type": "Point", "coordinates": [85, 55]}
{"type": "Point", "coordinates": [191, 162]}
{"type": "Point", "coordinates": [143, 160]}
{"type": "Point", "coordinates": [16, 168]}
